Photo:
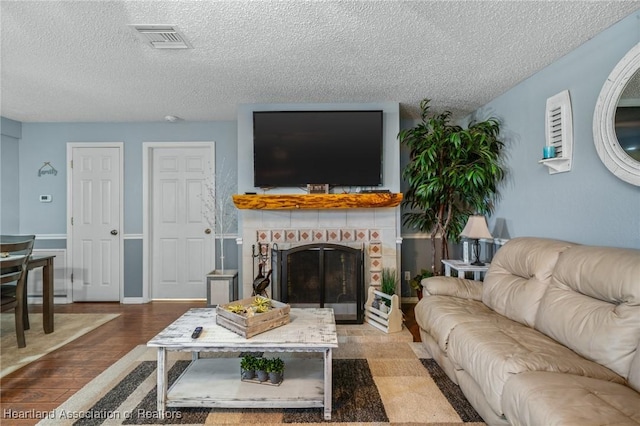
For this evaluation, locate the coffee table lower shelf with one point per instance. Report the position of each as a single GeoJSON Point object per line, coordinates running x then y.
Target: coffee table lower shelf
{"type": "Point", "coordinates": [215, 382]}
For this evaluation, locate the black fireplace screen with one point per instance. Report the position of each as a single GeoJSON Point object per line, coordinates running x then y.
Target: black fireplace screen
{"type": "Point", "coordinates": [321, 275]}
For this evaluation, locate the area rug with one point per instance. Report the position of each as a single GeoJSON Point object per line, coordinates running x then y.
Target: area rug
{"type": "Point", "coordinates": [374, 382]}
{"type": "Point", "coordinates": [67, 327]}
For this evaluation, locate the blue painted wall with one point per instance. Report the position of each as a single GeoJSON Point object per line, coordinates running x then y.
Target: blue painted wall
{"type": "Point", "coordinates": [48, 142]}
{"type": "Point", "coordinates": [587, 205]}
{"type": "Point", "coordinates": [10, 132]}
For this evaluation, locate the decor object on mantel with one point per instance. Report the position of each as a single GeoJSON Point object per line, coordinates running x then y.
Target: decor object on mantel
{"type": "Point", "coordinates": [476, 229]}
{"type": "Point", "coordinates": [317, 201]}
{"type": "Point", "coordinates": [452, 173]}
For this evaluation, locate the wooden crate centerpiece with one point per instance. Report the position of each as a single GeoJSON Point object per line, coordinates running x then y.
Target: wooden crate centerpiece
{"type": "Point", "coordinates": [251, 316]}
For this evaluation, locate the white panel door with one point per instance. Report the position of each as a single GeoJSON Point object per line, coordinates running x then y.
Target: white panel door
{"type": "Point", "coordinates": [182, 249]}
{"type": "Point", "coordinates": [95, 185]}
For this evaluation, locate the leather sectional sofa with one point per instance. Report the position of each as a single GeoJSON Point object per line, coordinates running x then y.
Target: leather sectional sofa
{"type": "Point", "coordinates": [551, 337]}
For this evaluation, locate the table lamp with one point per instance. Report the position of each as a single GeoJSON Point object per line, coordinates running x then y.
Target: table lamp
{"type": "Point", "coordinates": [475, 229]}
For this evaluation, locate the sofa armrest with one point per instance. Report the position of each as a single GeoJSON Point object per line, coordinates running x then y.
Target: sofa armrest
{"type": "Point", "coordinates": [453, 286]}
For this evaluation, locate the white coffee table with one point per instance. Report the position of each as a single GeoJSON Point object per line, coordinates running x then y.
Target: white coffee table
{"type": "Point", "coordinates": [215, 382]}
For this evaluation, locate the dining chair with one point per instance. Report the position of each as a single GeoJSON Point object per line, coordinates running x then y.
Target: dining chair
{"type": "Point", "coordinates": [14, 257]}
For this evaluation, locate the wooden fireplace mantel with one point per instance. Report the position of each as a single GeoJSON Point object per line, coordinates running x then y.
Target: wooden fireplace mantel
{"type": "Point", "coordinates": [317, 201]}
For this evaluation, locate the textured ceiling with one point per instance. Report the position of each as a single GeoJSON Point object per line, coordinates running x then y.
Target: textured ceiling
{"type": "Point", "coordinates": [79, 60]}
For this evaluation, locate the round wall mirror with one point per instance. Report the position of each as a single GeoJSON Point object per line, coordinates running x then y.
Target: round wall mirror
{"type": "Point", "coordinates": [627, 120]}
{"type": "Point", "coordinates": [616, 121]}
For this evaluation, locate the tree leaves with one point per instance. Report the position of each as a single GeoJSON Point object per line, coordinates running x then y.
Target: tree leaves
{"type": "Point", "coordinates": [452, 173]}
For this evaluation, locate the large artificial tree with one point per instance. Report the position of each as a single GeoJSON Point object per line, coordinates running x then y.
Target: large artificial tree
{"type": "Point", "coordinates": [452, 173]}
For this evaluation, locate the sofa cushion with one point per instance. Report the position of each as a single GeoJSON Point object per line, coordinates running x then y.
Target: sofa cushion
{"type": "Point", "coordinates": [634, 371]}
{"type": "Point", "coordinates": [439, 315]}
{"type": "Point", "coordinates": [518, 276]}
{"type": "Point", "coordinates": [544, 398]}
{"type": "Point", "coordinates": [452, 286]}
{"type": "Point", "coordinates": [593, 305]}
{"type": "Point", "coordinates": [493, 351]}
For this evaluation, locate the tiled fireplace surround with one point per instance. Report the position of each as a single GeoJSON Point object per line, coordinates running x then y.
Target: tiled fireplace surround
{"type": "Point", "coordinates": [376, 230]}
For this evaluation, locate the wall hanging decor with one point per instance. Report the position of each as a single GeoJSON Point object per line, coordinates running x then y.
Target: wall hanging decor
{"type": "Point", "coordinates": [47, 169]}
{"type": "Point", "coordinates": [614, 132]}
{"type": "Point", "coordinates": [558, 150]}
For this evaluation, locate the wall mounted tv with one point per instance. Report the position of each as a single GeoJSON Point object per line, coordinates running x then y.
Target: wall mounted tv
{"type": "Point", "coordinates": [296, 148]}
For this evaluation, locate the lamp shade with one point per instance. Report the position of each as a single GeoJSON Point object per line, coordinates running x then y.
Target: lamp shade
{"type": "Point", "coordinates": [476, 228]}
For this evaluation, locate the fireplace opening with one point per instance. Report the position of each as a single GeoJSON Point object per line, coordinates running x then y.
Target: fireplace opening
{"type": "Point", "coordinates": [321, 276]}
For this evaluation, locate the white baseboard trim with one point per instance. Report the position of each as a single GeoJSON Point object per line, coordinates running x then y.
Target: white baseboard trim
{"type": "Point", "coordinates": [134, 301]}
{"type": "Point", "coordinates": [57, 300]}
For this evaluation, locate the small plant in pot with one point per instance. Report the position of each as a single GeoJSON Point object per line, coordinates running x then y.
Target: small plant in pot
{"type": "Point", "coordinates": [389, 282]}
{"type": "Point", "coordinates": [261, 369]}
{"type": "Point", "coordinates": [275, 368]}
{"type": "Point", "coordinates": [248, 367]}
{"type": "Point", "coordinates": [416, 282]}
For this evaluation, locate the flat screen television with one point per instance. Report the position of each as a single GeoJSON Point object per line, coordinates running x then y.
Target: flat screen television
{"type": "Point", "coordinates": [296, 148]}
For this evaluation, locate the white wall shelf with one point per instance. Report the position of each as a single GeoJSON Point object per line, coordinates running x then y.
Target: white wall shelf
{"type": "Point", "coordinates": [557, 164]}
{"type": "Point", "coordinates": [559, 132]}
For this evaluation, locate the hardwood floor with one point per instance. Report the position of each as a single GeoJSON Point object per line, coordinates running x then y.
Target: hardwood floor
{"type": "Point", "coordinates": [410, 320]}
{"type": "Point", "coordinates": [49, 381]}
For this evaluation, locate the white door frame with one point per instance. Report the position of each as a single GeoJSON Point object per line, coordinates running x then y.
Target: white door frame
{"type": "Point", "coordinates": [70, 147]}
{"type": "Point", "coordinates": [147, 158]}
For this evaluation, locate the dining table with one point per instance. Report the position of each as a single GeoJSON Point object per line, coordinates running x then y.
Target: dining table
{"type": "Point", "coordinates": [46, 263]}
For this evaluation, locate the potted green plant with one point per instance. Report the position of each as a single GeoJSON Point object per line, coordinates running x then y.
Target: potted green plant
{"type": "Point", "coordinates": [389, 283]}
{"type": "Point", "coordinates": [275, 368]}
{"type": "Point", "coordinates": [452, 173]}
{"type": "Point", "coordinates": [248, 367]}
{"type": "Point", "coordinates": [416, 281]}
{"type": "Point", "coordinates": [261, 369]}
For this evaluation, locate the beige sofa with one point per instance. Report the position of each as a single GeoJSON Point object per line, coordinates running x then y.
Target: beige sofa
{"type": "Point", "coordinates": [551, 337]}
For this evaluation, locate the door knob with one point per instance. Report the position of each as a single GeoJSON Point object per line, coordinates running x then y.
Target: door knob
{"type": "Point", "coordinates": [207, 231]}
{"type": "Point", "coordinates": [114, 232]}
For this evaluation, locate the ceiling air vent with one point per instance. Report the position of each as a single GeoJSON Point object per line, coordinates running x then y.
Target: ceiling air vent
{"type": "Point", "coordinates": [162, 36]}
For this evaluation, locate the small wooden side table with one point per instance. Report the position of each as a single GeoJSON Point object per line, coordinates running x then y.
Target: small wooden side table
{"type": "Point", "coordinates": [222, 286]}
{"type": "Point", "coordinates": [462, 268]}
